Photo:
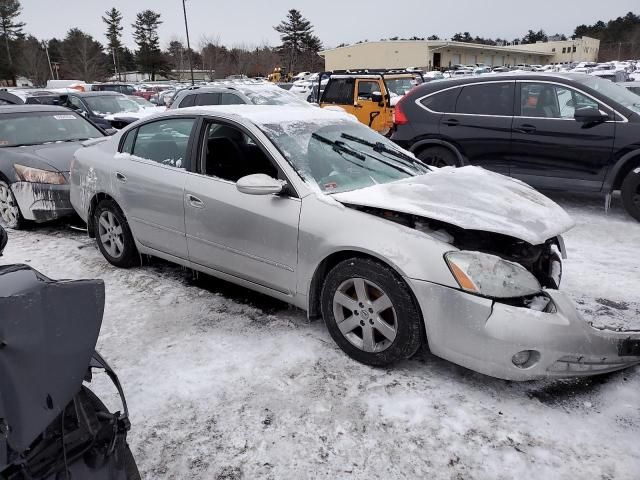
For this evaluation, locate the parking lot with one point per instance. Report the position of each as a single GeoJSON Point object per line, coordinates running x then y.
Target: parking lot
{"type": "Point", "coordinates": [226, 383]}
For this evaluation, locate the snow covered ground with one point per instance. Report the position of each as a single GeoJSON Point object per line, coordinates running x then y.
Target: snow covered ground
{"type": "Point", "coordinates": [223, 383]}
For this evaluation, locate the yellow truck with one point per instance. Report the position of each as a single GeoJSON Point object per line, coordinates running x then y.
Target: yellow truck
{"type": "Point", "coordinates": [370, 95]}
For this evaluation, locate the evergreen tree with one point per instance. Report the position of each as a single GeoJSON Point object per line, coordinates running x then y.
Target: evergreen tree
{"type": "Point", "coordinates": [296, 34]}
{"type": "Point", "coordinates": [83, 57]}
{"type": "Point", "coordinates": [149, 56]}
{"type": "Point", "coordinates": [113, 20]}
{"type": "Point", "coordinates": [11, 30]}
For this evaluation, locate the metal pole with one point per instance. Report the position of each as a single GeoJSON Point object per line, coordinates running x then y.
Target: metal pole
{"type": "Point", "coordinates": [46, 49]}
{"type": "Point", "coordinates": [186, 28]}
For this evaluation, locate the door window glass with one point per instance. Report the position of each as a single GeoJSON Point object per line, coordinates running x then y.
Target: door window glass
{"type": "Point", "coordinates": [486, 99]}
{"type": "Point", "coordinates": [164, 141]}
{"type": "Point", "coordinates": [230, 154]}
{"type": "Point", "coordinates": [208, 99]}
{"type": "Point", "coordinates": [230, 99]}
{"type": "Point", "coordinates": [551, 101]}
{"type": "Point", "coordinates": [127, 145]}
{"type": "Point", "coordinates": [339, 91]}
{"type": "Point", "coordinates": [76, 104]}
{"type": "Point", "coordinates": [366, 88]}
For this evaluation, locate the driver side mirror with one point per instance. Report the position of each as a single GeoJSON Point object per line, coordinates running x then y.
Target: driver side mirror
{"type": "Point", "coordinates": [3, 239]}
{"type": "Point", "coordinates": [259, 184]}
{"type": "Point", "coordinates": [376, 97]}
{"type": "Point", "coordinates": [590, 115]}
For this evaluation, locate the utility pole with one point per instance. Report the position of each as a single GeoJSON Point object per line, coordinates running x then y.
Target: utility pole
{"type": "Point", "coordinates": [46, 49]}
{"type": "Point", "coordinates": [186, 29]}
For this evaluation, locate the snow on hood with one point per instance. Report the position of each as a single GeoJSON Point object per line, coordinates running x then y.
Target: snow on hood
{"type": "Point", "coordinates": [471, 198]}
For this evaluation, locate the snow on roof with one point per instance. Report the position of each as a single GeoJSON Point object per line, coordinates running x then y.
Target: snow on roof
{"type": "Point", "coordinates": [270, 114]}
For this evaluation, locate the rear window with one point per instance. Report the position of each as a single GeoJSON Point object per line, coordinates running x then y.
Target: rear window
{"type": "Point", "coordinates": [208, 99]}
{"type": "Point", "coordinates": [486, 99]}
{"type": "Point", "coordinates": [340, 91]}
{"type": "Point", "coordinates": [442, 102]}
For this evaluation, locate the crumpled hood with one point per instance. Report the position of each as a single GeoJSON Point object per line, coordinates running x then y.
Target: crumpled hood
{"type": "Point", "coordinates": [471, 198]}
{"type": "Point", "coordinates": [52, 156]}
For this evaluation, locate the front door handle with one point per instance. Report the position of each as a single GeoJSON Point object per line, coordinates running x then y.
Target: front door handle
{"type": "Point", "coordinates": [452, 122]}
{"type": "Point", "coordinates": [526, 128]}
{"type": "Point", "coordinates": [121, 178]}
{"type": "Point", "coordinates": [194, 201]}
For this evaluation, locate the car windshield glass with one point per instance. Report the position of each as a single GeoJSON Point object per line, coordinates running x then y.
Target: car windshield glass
{"type": "Point", "coordinates": [107, 104]}
{"type": "Point", "coordinates": [341, 155]}
{"type": "Point", "coordinates": [613, 91]}
{"type": "Point", "coordinates": [272, 96]}
{"type": "Point", "coordinates": [39, 128]}
{"type": "Point", "coordinates": [142, 102]}
{"type": "Point", "coordinates": [399, 86]}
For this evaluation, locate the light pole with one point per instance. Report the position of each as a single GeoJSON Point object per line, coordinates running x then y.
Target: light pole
{"type": "Point", "coordinates": [186, 29]}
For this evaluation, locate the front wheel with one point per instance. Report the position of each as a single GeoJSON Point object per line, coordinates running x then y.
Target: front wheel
{"type": "Point", "coordinates": [113, 235]}
{"type": "Point", "coordinates": [370, 312]}
{"type": "Point", "coordinates": [631, 193]}
{"type": "Point", "coordinates": [9, 211]}
{"type": "Point", "coordinates": [438, 157]}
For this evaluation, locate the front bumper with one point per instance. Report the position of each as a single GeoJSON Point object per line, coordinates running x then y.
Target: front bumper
{"type": "Point", "coordinates": [42, 202]}
{"type": "Point", "coordinates": [483, 335]}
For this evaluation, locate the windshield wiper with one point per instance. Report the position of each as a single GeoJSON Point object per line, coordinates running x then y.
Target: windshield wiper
{"type": "Point", "coordinates": [339, 146]}
{"type": "Point", "coordinates": [379, 147]}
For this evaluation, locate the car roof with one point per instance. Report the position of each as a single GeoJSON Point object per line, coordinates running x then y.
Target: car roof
{"type": "Point", "coordinates": [32, 108]}
{"type": "Point", "coordinates": [265, 114]}
{"type": "Point", "coordinates": [506, 76]}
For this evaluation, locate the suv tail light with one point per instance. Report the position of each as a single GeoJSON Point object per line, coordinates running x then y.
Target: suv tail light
{"type": "Point", "coordinates": [399, 117]}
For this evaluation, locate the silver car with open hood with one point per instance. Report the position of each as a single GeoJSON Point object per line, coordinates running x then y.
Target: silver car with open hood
{"type": "Point", "coordinates": [313, 208]}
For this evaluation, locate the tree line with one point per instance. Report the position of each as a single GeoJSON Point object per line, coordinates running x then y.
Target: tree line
{"type": "Point", "coordinates": [80, 56]}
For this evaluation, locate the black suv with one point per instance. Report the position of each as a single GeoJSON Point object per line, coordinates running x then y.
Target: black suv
{"type": "Point", "coordinates": [554, 131]}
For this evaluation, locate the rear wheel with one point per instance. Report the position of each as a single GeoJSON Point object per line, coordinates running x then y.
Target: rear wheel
{"type": "Point", "coordinates": [370, 312]}
{"type": "Point", "coordinates": [631, 193]}
{"type": "Point", "coordinates": [438, 157]}
{"type": "Point", "coordinates": [9, 211]}
{"type": "Point", "coordinates": [114, 235]}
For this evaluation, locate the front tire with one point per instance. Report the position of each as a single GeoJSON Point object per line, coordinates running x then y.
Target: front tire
{"type": "Point", "coordinates": [370, 312]}
{"type": "Point", "coordinates": [438, 157]}
{"type": "Point", "coordinates": [9, 211]}
{"type": "Point", "coordinates": [113, 235]}
{"type": "Point", "coordinates": [631, 193]}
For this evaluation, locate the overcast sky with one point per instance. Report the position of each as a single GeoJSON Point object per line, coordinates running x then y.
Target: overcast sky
{"type": "Point", "coordinates": [250, 22]}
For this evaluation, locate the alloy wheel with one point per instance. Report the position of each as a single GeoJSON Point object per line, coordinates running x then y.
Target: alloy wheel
{"type": "Point", "coordinates": [111, 234]}
{"type": "Point", "coordinates": [9, 211]}
{"type": "Point", "coordinates": [365, 315]}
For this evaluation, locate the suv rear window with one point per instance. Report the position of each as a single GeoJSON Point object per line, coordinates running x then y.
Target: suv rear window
{"type": "Point", "coordinates": [340, 91]}
{"type": "Point", "coordinates": [487, 99]}
{"type": "Point", "coordinates": [442, 102]}
{"type": "Point", "coordinates": [208, 99]}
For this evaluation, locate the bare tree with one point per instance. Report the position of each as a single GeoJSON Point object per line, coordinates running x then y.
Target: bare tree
{"type": "Point", "coordinates": [83, 57]}
{"type": "Point", "coordinates": [32, 61]}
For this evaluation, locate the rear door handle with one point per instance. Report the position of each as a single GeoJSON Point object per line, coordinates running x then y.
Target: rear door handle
{"type": "Point", "coordinates": [452, 122]}
{"type": "Point", "coordinates": [195, 201]}
{"type": "Point", "coordinates": [526, 128]}
{"type": "Point", "coordinates": [121, 178]}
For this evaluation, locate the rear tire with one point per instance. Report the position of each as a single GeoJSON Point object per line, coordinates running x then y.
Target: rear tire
{"type": "Point", "coordinates": [438, 157]}
{"type": "Point", "coordinates": [370, 312]}
{"type": "Point", "coordinates": [631, 193]}
{"type": "Point", "coordinates": [10, 214]}
{"type": "Point", "coordinates": [113, 235]}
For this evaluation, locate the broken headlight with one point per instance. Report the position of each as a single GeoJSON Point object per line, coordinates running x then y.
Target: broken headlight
{"type": "Point", "coordinates": [491, 276]}
{"type": "Point", "coordinates": [35, 175]}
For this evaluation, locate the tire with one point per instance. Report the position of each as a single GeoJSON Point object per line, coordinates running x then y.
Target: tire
{"type": "Point", "coordinates": [631, 193]}
{"type": "Point", "coordinates": [10, 214]}
{"type": "Point", "coordinates": [375, 335]}
{"type": "Point", "coordinates": [113, 235]}
{"type": "Point", "coordinates": [438, 157]}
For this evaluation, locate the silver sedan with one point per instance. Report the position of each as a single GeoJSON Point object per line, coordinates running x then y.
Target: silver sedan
{"type": "Point", "coordinates": [313, 208]}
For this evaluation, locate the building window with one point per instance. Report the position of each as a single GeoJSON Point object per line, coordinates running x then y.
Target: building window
{"type": "Point", "coordinates": [553, 50]}
{"type": "Point", "coordinates": [574, 49]}
{"type": "Point", "coordinates": [564, 50]}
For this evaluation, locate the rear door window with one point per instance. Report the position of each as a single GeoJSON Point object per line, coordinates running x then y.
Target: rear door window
{"type": "Point", "coordinates": [164, 141]}
{"type": "Point", "coordinates": [188, 101]}
{"type": "Point", "coordinates": [487, 99]}
{"type": "Point", "coordinates": [339, 91]}
{"type": "Point", "coordinates": [208, 99]}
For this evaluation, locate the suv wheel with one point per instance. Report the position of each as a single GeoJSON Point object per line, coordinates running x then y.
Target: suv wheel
{"type": "Point", "coordinates": [438, 157]}
{"type": "Point", "coordinates": [9, 211]}
{"type": "Point", "coordinates": [631, 193]}
{"type": "Point", "coordinates": [370, 313]}
{"type": "Point", "coordinates": [113, 235]}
